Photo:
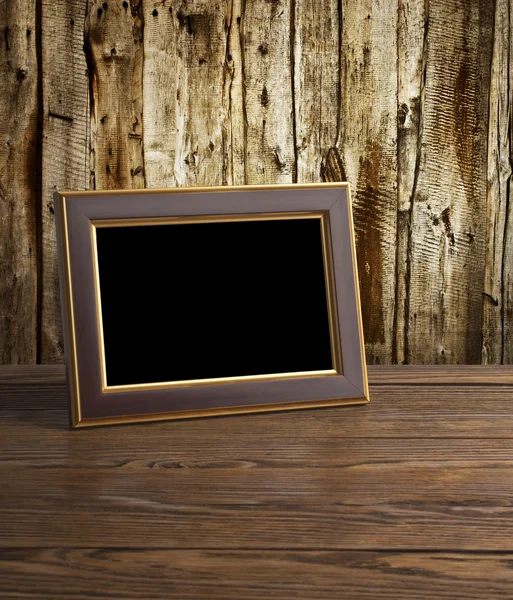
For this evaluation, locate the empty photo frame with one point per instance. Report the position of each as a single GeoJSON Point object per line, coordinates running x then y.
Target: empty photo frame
{"type": "Point", "coordinates": [191, 302]}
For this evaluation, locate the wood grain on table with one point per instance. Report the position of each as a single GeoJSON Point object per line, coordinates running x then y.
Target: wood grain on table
{"type": "Point", "coordinates": [407, 497]}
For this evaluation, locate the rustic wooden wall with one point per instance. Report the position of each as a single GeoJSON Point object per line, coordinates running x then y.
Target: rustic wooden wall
{"type": "Point", "coordinates": [408, 100]}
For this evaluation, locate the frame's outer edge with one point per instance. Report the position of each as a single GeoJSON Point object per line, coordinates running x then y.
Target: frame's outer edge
{"type": "Point", "coordinates": [66, 300]}
{"type": "Point", "coordinates": [357, 290]}
{"type": "Point", "coordinates": [70, 347]}
{"type": "Point", "coordinates": [200, 189]}
{"type": "Point", "coordinates": [221, 411]}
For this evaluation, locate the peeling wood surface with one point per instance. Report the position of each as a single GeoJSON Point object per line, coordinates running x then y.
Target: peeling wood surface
{"type": "Point", "coordinates": [65, 145]}
{"type": "Point", "coordinates": [159, 93]}
{"type": "Point", "coordinates": [411, 53]}
{"type": "Point", "coordinates": [368, 147]}
{"type": "Point", "coordinates": [408, 100]}
{"type": "Point", "coordinates": [316, 63]}
{"type": "Point", "coordinates": [448, 212]}
{"type": "Point", "coordinates": [201, 113]}
{"type": "Point", "coordinates": [498, 301]}
{"type": "Point", "coordinates": [114, 51]}
{"type": "Point", "coordinates": [19, 191]}
{"type": "Point", "coordinates": [269, 101]}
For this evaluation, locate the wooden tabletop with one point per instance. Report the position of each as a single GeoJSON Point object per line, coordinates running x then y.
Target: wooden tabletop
{"type": "Point", "coordinates": [408, 497]}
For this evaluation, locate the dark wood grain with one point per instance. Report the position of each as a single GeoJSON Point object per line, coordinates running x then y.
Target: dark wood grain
{"type": "Point", "coordinates": [475, 412]}
{"type": "Point", "coordinates": [407, 497]}
{"type": "Point", "coordinates": [198, 574]}
{"type": "Point", "coordinates": [394, 506]}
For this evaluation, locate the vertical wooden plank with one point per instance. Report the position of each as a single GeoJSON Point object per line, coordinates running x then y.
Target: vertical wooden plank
{"type": "Point", "coordinates": [65, 145]}
{"type": "Point", "coordinates": [201, 44]}
{"type": "Point", "coordinates": [507, 259]}
{"type": "Point", "coordinates": [368, 149]}
{"type": "Point", "coordinates": [18, 181]}
{"type": "Point", "coordinates": [159, 93]}
{"type": "Point", "coordinates": [114, 51]}
{"type": "Point", "coordinates": [316, 83]}
{"type": "Point", "coordinates": [411, 41]}
{"type": "Point", "coordinates": [269, 101]}
{"type": "Point", "coordinates": [498, 307]}
{"type": "Point", "coordinates": [234, 130]}
{"type": "Point", "coordinates": [448, 215]}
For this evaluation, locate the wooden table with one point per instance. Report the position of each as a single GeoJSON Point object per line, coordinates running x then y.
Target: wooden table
{"type": "Point", "coordinates": [408, 497]}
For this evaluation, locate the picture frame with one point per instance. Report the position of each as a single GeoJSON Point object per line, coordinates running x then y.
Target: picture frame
{"type": "Point", "coordinates": [150, 280]}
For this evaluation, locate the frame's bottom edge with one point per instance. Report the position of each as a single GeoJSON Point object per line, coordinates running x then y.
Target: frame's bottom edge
{"type": "Point", "coordinates": [216, 412]}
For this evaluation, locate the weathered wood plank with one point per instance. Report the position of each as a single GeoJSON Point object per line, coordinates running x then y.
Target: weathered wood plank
{"type": "Point", "coordinates": [269, 99]}
{"type": "Point", "coordinates": [448, 214]}
{"type": "Point", "coordinates": [211, 574]}
{"type": "Point", "coordinates": [200, 114]}
{"type": "Point", "coordinates": [65, 145]}
{"type": "Point", "coordinates": [450, 504]}
{"type": "Point", "coordinates": [395, 412]}
{"type": "Point", "coordinates": [114, 51]}
{"type": "Point", "coordinates": [316, 62]}
{"type": "Point", "coordinates": [411, 52]}
{"type": "Point", "coordinates": [444, 405]}
{"type": "Point", "coordinates": [234, 129]}
{"type": "Point", "coordinates": [498, 308]}
{"type": "Point", "coordinates": [141, 449]}
{"type": "Point", "coordinates": [368, 147]}
{"type": "Point", "coordinates": [19, 165]}
{"type": "Point", "coordinates": [159, 93]}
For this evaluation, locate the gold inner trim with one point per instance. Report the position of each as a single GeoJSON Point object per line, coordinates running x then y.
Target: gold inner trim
{"type": "Point", "coordinates": [336, 351]}
{"type": "Point", "coordinates": [331, 294]}
{"type": "Point", "coordinates": [192, 219]}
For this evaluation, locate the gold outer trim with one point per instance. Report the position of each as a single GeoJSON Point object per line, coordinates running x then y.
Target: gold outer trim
{"type": "Point", "coordinates": [358, 301]}
{"type": "Point", "coordinates": [230, 410]}
{"type": "Point", "coordinates": [69, 316]}
{"type": "Point", "coordinates": [336, 353]}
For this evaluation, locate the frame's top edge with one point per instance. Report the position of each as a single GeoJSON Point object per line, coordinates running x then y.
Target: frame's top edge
{"type": "Point", "coordinates": [197, 190]}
